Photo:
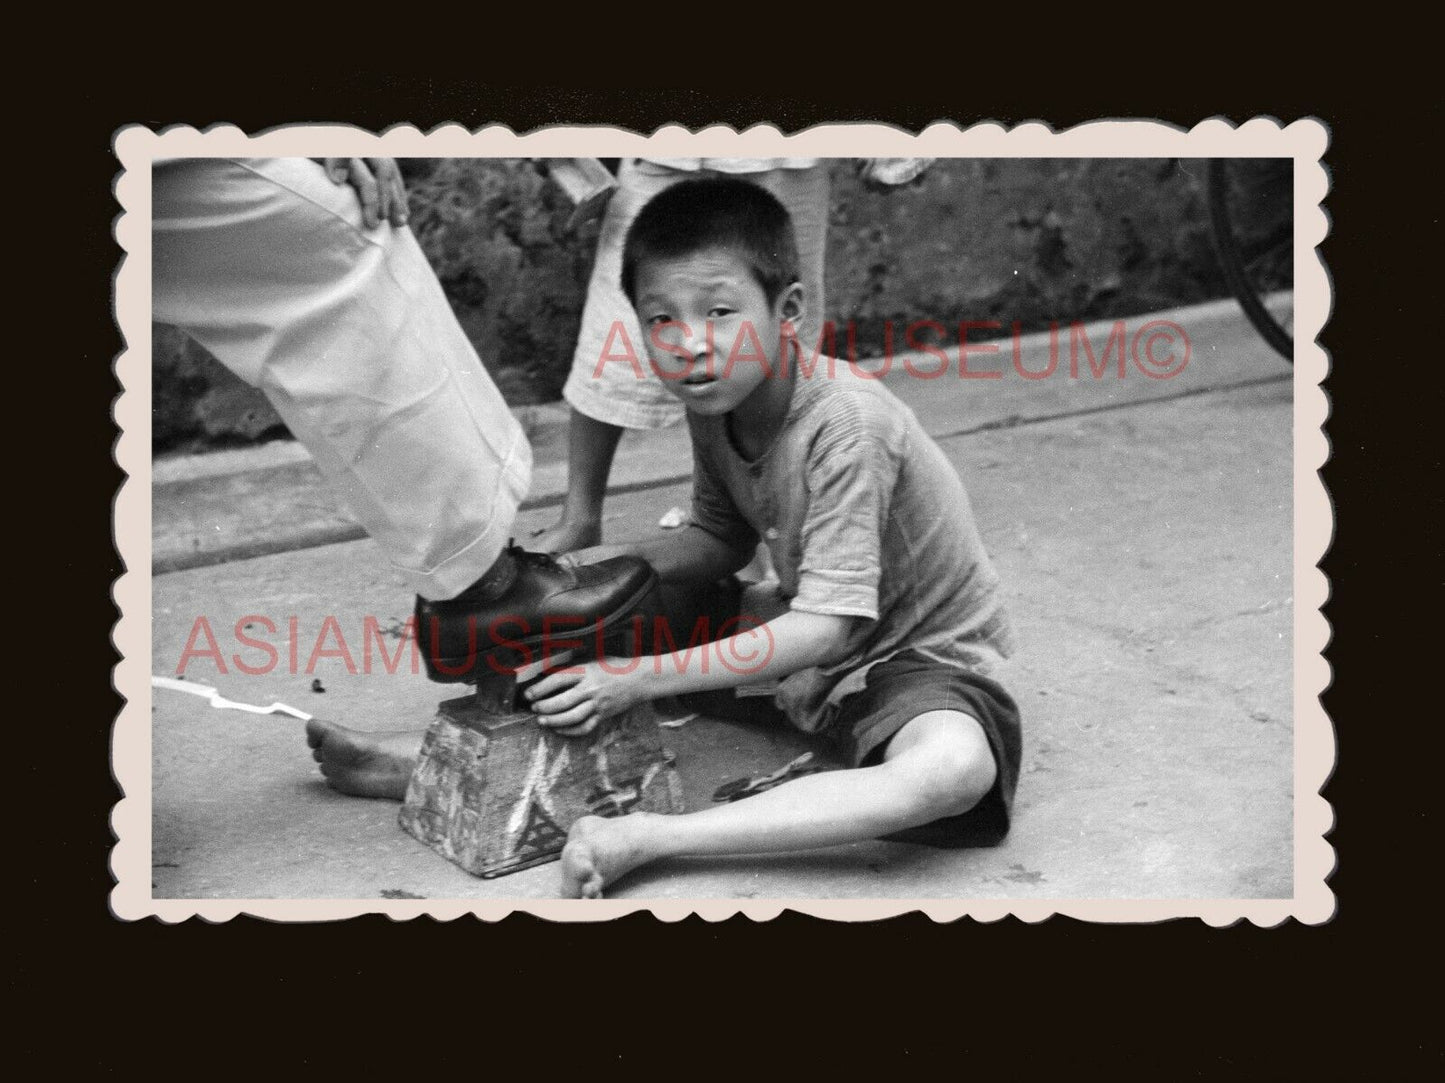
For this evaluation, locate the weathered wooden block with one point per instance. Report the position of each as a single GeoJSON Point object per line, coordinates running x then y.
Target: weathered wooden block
{"type": "Point", "coordinates": [495, 792]}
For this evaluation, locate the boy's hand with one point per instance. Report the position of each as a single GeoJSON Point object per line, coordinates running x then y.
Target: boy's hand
{"type": "Point", "coordinates": [573, 701]}
{"type": "Point", "coordinates": [378, 185]}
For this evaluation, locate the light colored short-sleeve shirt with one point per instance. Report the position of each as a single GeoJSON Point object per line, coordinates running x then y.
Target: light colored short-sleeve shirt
{"type": "Point", "coordinates": [864, 516]}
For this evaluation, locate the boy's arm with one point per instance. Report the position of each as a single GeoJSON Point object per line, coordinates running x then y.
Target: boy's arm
{"type": "Point", "coordinates": [690, 553]}
{"type": "Point", "coordinates": [758, 651]}
{"type": "Point", "coordinates": [574, 700]}
{"type": "Point", "coordinates": [717, 541]}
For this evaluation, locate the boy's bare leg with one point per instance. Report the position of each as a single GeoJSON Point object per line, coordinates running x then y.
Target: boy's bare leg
{"type": "Point", "coordinates": [591, 445]}
{"type": "Point", "coordinates": [939, 764]}
{"type": "Point", "coordinates": [365, 764]}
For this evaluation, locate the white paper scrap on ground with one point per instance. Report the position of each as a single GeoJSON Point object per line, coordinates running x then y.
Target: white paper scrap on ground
{"type": "Point", "coordinates": [674, 518]}
{"type": "Point", "coordinates": [219, 701]}
{"type": "Point", "coordinates": [670, 712]}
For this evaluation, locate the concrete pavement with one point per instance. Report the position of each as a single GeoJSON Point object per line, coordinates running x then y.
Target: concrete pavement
{"type": "Point", "coordinates": [1143, 531]}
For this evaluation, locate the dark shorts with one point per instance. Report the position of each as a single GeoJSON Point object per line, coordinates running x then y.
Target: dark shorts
{"type": "Point", "coordinates": [897, 691]}
{"type": "Point", "coordinates": [908, 685]}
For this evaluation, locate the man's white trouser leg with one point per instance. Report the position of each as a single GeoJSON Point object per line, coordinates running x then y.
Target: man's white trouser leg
{"type": "Point", "coordinates": [346, 330]}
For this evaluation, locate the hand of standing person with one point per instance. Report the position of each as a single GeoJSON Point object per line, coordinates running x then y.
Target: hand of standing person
{"type": "Point", "coordinates": [378, 185]}
{"type": "Point", "coordinates": [884, 174]}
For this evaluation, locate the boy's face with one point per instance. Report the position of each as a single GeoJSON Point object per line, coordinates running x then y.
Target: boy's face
{"type": "Point", "coordinates": [710, 327]}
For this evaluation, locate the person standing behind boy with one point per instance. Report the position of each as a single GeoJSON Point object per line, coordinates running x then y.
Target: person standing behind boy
{"type": "Point", "coordinates": [889, 614]}
{"type": "Point", "coordinates": [607, 396]}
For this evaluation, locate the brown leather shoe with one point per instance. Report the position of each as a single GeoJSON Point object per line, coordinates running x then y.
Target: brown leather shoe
{"type": "Point", "coordinates": [549, 609]}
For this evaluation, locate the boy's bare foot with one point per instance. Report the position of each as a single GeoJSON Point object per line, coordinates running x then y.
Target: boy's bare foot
{"type": "Point", "coordinates": [599, 851]}
{"type": "Point", "coordinates": [364, 764]}
{"type": "Point", "coordinates": [567, 535]}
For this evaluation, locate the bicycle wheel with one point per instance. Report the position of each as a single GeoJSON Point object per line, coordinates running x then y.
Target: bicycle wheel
{"type": "Point", "coordinates": [1227, 248]}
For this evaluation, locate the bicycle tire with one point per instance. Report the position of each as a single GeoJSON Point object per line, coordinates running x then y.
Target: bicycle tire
{"type": "Point", "coordinates": [1227, 249]}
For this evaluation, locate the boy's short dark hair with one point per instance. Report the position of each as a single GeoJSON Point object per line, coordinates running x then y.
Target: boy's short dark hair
{"type": "Point", "coordinates": [715, 212]}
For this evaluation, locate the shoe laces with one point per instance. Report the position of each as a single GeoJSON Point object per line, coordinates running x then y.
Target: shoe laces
{"type": "Point", "coordinates": [528, 556]}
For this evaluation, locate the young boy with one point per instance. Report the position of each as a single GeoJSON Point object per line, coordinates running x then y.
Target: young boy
{"type": "Point", "coordinates": [887, 609]}
{"type": "Point", "coordinates": [888, 617]}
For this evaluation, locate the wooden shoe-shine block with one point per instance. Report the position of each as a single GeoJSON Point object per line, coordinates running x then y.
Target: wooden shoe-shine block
{"type": "Point", "coordinates": [495, 792]}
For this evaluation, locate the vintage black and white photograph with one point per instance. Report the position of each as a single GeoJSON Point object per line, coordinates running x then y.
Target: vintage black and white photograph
{"type": "Point", "coordinates": [901, 520]}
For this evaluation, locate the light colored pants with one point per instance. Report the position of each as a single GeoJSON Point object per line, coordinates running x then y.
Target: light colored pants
{"type": "Point", "coordinates": [266, 263]}
{"type": "Point", "coordinates": [612, 391]}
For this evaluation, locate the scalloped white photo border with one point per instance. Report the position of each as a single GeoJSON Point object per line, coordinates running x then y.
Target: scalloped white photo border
{"type": "Point", "coordinates": [1304, 141]}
